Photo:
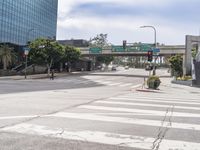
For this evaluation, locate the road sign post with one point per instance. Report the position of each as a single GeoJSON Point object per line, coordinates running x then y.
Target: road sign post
{"type": "Point", "coordinates": [26, 52]}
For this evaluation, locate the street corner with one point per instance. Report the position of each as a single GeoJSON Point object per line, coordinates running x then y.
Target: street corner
{"type": "Point", "coordinates": [147, 90]}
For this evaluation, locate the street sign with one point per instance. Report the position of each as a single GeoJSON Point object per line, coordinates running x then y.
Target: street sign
{"type": "Point", "coordinates": [133, 48]}
{"type": "Point", "coordinates": [142, 47]}
{"type": "Point", "coordinates": [156, 50]}
{"type": "Point", "coordinates": [118, 49]}
{"type": "Point", "coordinates": [26, 50]}
{"type": "Point", "coordinates": [145, 47]}
{"type": "Point", "coordinates": [95, 50]}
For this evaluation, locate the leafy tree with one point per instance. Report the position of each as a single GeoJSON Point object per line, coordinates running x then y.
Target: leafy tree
{"type": "Point", "coordinates": [194, 52]}
{"type": "Point", "coordinates": [105, 59]}
{"type": "Point", "coordinates": [99, 41]}
{"type": "Point", "coordinates": [7, 55]}
{"type": "Point", "coordinates": [45, 52]}
{"type": "Point", "coordinates": [71, 54]}
{"type": "Point", "coordinates": [177, 65]}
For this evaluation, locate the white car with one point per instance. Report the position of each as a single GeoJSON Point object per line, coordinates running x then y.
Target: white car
{"type": "Point", "coordinates": [126, 67]}
{"type": "Point", "coordinates": [113, 68]}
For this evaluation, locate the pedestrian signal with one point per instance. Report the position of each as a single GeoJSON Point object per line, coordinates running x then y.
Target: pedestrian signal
{"type": "Point", "coordinates": [150, 56]}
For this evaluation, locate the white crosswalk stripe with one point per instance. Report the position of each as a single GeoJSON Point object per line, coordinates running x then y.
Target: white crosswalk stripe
{"type": "Point", "coordinates": [145, 104]}
{"type": "Point", "coordinates": [97, 80]}
{"type": "Point", "coordinates": [155, 100]}
{"type": "Point", "coordinates": [113, 83]}
{"type": "Point", "coordinates": [102, 137]}
{"type": "Point", "coordinates": [126, 120]}
{"type": "Point", "coordinates": [140, 111]}
{"type": "Point", "coordinates": [127, 84]}
{"type": "Point", "coordinates": [168, 98]}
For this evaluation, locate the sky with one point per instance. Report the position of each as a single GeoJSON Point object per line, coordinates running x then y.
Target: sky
{"type": "Point", "coordinates": [121, 20]}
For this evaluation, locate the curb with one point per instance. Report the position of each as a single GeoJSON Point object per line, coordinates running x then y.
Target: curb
{"type": "Point", "coordinates": [39, 76]}
{"type": "Point", "coordinates": [148, 90]}
{"type": "Point", "coordinates": [180, 82]}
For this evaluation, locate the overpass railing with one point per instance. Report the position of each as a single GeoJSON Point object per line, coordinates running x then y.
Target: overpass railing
{"type": "Point", "coordinates": [137, 49]}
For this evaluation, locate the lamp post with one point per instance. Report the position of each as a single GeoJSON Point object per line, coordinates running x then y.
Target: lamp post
{"type": "Point", "coordinates": [26, 51]}
{"type": "Point", "coordinates": [155, 42]}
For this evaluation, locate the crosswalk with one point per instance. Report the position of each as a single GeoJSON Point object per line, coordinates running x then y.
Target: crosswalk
{"type": "Point", "coordinates": [134, 120]}
{"type": "Point", "coordinates": [90, 80]}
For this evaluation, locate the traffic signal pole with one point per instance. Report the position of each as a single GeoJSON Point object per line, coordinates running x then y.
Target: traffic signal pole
{"type": "Point", "coordinates": [155, 42]}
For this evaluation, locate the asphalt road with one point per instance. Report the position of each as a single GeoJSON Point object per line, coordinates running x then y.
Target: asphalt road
{"type": "Point", "coordinates": [122, 78]}
{"type": "Point", "coordinates": [97, 111]}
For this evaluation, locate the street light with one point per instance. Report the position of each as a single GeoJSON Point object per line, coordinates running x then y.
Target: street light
{"type": "Point", "coordinates": [26, 50]}
{"type": "Point", "coordinates": [155, 42]}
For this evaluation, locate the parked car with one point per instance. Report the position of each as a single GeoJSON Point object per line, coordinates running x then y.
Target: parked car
{"type": "Point", "coordinates": [126, 67]}
{"type": "Point", "coordinates": [113, 68]}
{"type": "Point", "coordinates": [99, 67]}
{"type": "Point", "coordinates": [149, 68]}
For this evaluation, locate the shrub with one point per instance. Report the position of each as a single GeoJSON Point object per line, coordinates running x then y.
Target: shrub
{"type": "Point", "coordinates": [176, 63]}
{"type": "Point", "coordinates": [184, 78]}
{"type": "Point", "coordinates": [153, 82]}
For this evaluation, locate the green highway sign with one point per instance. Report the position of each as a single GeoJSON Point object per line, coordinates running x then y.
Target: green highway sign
{"type": "Point", "coordinates": [95, 50]}
{"type": "Point", "coordinates": [118, 49]}
{"type": "Point", "coordinates": [133, 48]}
{"type": "Point", "coordinates": [145, 47]}
{"type": "Point", "coordinates": [141, 47]}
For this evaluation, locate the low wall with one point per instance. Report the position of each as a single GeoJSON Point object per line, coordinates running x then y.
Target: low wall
{"type": "Point", "coordinates": [7, 73]}
{"type": "Point", "coordinates": [197, 73]}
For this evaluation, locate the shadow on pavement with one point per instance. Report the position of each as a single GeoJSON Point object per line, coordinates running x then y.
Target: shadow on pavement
{"type": "Point", "coordinates": [16, 86]}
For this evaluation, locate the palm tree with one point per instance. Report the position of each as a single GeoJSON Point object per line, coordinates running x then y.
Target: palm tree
{"type": "Point", "coordinates": [7, 55]}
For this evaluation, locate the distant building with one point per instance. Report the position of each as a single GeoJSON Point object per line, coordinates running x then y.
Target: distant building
{"type": "Point", "coordinates": [75, 42]}
{"type": "Point", "coordinates": [25, 20]}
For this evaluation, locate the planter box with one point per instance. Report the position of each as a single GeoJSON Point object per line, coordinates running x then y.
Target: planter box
{"type": "Point", "coordinates": [153, 84]}
{"type": "Point", "coordinates": [187, 83]}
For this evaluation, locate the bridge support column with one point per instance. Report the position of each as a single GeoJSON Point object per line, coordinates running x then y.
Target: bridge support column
{"type": "Point", "coordinates": [93, 62]}
{"type": "Point", "coordinates": [188, 56]}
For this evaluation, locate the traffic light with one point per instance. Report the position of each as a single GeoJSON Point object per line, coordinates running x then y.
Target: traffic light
{"type": "Point", "coordinates": [150, 56]}
{"type": "Point", "coordinates": [124, 44]}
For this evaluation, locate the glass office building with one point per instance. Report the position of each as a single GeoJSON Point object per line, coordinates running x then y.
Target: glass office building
{"type": "Point", "coordinates": [26, 20]}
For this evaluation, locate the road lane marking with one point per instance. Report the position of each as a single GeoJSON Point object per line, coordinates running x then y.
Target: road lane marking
{"type": "Point", "coordinates": [142, 111]}
{"type": "Point", "coordinates": [145, 104]}
{"type": "Point", "coordinates": [124, 120]}
{"type": "Point", "coordinates": [114, 84]}
{"type": "Point", "coordinates": [151, 100]}
{"type": "Point", "coordinates": [17, 117]}
{"type": "Point", "coordinates": [126, 84]}
{"type": "Point", "coordinates": [136, 86]}
{"type": "Point", "coordinates": [124, 140]}
{"type": "Point", "coordinates": [160, 98]}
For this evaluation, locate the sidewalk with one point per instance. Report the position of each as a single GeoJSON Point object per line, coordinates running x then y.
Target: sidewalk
{"type": "Point", "coordinates": [166, 87]}
{"type": "Point", "coordinates": [38, 76]}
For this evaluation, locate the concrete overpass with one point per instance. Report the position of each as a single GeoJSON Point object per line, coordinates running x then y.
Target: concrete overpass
{"type": "Point", "coordinates": [165, 50]}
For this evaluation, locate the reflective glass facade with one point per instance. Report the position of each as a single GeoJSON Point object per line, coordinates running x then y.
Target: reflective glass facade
{"type": "Point", "coordinates": [25, 20]}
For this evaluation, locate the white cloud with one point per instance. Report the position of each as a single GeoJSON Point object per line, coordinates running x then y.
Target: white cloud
{"type": "Point", "coordinates": [66, 5]}
{"type": "Point", "coordinates": [120, 28]}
